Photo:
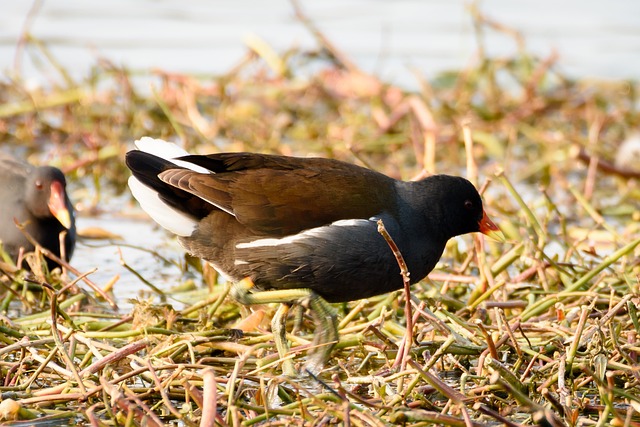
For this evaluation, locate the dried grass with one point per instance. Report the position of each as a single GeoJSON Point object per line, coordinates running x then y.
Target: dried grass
{"type": "Point", "coordinates": [539, 330]}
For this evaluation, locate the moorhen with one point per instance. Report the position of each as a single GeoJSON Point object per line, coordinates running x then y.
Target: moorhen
{"type": "Point", "coordinates": [304, 230]}
{"type": "Point", "coordinates": [35, 197]}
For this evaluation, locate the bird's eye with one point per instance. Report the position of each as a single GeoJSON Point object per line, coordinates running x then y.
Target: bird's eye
{"type": "Point", "coordinates": [39, 184]}
{"type": "Point", "coordinates": [468, 204]}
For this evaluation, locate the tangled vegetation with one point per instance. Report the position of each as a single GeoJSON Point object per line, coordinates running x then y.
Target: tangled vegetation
{"type": "Point", "coordinates": [541, 329]}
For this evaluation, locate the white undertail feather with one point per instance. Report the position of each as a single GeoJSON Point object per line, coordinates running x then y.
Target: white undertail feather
{"type": "Point", "coordinates": [168, 151]}
{"type": "Point", "coordinates": [310, 233]}
{"type": "Point", "coordinates": [168, 217]}
{"type": "Point", "coordinates": [171, 219]}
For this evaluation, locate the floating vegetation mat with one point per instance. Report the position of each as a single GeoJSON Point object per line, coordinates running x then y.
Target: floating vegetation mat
{"type": "Point", "coordinates": [541, 329]}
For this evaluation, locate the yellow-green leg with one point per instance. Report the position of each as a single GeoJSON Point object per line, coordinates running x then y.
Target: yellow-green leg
{"type": "Point", "coordinates": [326, 334]}
{"type": "Point", "coordinates": [279, 329]}
{"type": "Point", "coordinates": [324, 316]}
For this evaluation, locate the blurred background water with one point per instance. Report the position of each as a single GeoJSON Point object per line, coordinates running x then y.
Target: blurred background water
{"type": "Point", "coordinates": [594, 39]}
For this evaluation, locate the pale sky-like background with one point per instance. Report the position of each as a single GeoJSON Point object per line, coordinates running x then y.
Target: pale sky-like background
{"type": "Point", "coordinates": [595, 38]}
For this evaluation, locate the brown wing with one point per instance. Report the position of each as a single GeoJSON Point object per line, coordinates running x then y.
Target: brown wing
{"type": "Point", "coordinates": [279, 195]}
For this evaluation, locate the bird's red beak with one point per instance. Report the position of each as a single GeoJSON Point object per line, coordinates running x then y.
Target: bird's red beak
{"type": "Point", "coordinates": [57, 205]}
{"type": "Point", "coordinates": [489, 228]}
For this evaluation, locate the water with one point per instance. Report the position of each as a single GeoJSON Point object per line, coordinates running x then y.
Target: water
{"type": "Point", "coordinates": [140, 241]}
{"type": "Point", "coordinates": [388, 38]}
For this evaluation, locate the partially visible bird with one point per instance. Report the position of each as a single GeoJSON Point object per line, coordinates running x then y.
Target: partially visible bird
{"type": "Point", "coordinates": [35, 197]}
{"type": "Point", "coordinates": [304, 230]}
{"type": "Point", "coordinates": [628, 154]}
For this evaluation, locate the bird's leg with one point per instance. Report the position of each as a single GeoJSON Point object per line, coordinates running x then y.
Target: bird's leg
{"type": "Point", "coordinates": [279, 329]}
{"type": "Point", "coordinates": [326, 336]}
{"type": "Point", "coordinates": [324, 316]}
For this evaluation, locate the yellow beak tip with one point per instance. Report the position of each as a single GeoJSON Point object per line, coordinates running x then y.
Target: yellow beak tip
{"type": "Point", "coordinates": [496, 235]}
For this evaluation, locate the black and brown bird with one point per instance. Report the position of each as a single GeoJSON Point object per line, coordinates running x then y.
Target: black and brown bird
{"type": "Point", "coordinates": [36, 198]}
{"type": "Point", "coordinates": [304, 230]}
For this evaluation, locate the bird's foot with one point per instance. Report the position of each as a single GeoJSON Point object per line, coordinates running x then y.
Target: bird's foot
{"type": "Point", "coordinates": [326, 337]}
{"type": "Point", "coordinates": [324, 316]}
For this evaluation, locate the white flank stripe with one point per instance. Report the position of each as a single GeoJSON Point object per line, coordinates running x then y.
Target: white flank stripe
{"type": "Point", "coordinates": [350, 222]}
{"type": "Point", "coordinates": [171, 219]}
{"type": "Point", "coordinates": [240, 262]}
{"type": "Point", "coordinates": [168, 151]}
{"type": "Point", "coordinates": [313, 232]}
{"type": "Point", "coordinates": [270, 242]}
